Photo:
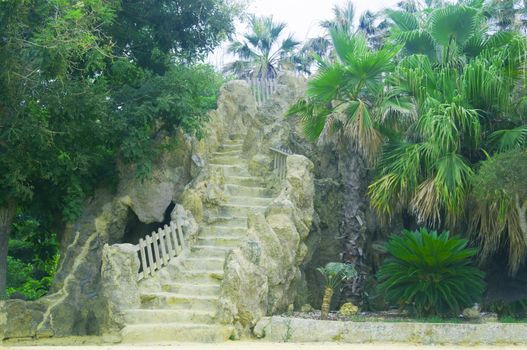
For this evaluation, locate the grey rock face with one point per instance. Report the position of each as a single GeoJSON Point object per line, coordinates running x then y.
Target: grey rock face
{"type": "Point", "coordinates": [120, 264]}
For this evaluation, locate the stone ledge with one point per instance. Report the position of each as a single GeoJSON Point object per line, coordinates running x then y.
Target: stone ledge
{"type": "Point", "coordinates": [283, 329]}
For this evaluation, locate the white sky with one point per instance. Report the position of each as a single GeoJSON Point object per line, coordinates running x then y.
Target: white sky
{"type": "Point", "coordinates": [302, 17]}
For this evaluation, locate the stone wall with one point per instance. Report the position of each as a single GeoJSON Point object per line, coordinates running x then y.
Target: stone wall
{"type": "Point", "coordinates": [283, 329]}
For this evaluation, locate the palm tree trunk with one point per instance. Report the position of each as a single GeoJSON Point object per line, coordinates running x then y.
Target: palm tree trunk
{"type": "Point", "coordinates": [353, 170]}
{"type": "Point", "coordinates": [326, 302]}
{"type": "Point", "coordinates": [7, 213]}
{"type": "Point", "coordinates": [521, 209]}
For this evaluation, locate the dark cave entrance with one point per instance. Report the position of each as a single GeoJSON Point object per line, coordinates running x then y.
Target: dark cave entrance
{"type": "Point", "coordinates": [135, 229]}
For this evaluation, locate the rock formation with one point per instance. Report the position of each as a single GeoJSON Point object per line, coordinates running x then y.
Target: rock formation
{"type": "Point", "coordinates": [85, 300]}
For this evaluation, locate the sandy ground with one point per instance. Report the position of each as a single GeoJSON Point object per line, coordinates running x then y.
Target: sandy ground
{"type": "Point", "coordinates": [266, 346]}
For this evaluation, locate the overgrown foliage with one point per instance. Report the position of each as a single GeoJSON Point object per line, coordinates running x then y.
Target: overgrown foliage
{"type": "Point", "coordinates": [430, 273]}
{"type": "Point", "coordinates": [499, 206]}
{"type": "Point", "coordinates": [84, 85]}
{"type": "Point", "coordinates": [33, 258]}
{"type": "Point", "coordinates": [444, 93]}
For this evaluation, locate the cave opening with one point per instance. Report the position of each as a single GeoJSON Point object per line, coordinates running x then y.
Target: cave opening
{"type": "Point", "coordinates": [135, 229]}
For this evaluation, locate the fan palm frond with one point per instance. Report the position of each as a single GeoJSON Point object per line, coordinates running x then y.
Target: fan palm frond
{"type": "Point", "coordinates": [505, 140]}
{"type": "Point", "coordinates": [453, 23]}
{"type": "Point", "coordinates": [262, 49]}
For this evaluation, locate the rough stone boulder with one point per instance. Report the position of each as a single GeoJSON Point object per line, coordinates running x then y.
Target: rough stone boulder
{"type": "Point", "coordinates": [120, 265]}
{"type": "Point", "coordinates": [261, 276]}
{"type": "Point", "coordinates": [20, 319]}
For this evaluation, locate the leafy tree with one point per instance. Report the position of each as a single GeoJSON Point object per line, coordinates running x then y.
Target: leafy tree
{"type": "Point", "coordinates": [49, 51]}
{"type": "Point", "coordinates": [157, 33]}
{"type": "Point", "coordinates": [499, 206]}
{"type": "Point", "coordinates": [33, 258]}
{"type": "Point", "coordinates": [430, 273]}
{"type": "Point", "coordinates": [334, 274]}
{"type": "Point", "coordinates": [262, 52]}
{"type": "Point", "coordinates": [78, 93]}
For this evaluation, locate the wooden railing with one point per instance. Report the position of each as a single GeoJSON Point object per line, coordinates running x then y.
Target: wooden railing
{"type": "Point", "coordinates": [158, 248]}
{"type": "Point", "coordinates": [263, 89]}
{"type": "Point", "coordinates": [280, 162]}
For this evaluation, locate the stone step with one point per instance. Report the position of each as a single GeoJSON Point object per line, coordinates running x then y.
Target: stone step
{"type": "Point", "coordinates": [202, 276]}
{"type": "Point", "coordinates": [228, 220]}
{"type": "Point", "coordinates": [225, 231]}
{"type": "Point", "coordinates": [207, 263]}
{"type": "Point", "coordinates": [244, 181]}
{"type": "Point", "coordinates": [231, 147]}
{"type": "Point", "coordinates": [142, 316]}
{"type": "Point", "coordinates": [240, 209]}
{"type": "Point", "coordinates": [228, 152]}
{"type": "Point", "coordinates": [248, 200]}
{"type": "Point", "coordinates": [232, 170]}
{"type": "Point", "coordinates": [209, 251]}
{"type": "Point", "coordinates": [225, 161]}
{"type": "Point", "coordinates": [249, 191]}
{"type": "Point", "coordinates": [176, 332]}
{"type": "Point", "coordinates": [228, 144]}
{"type": "Point", "coordinates": [221, 241]}
{"type": "Point", "coordinates": [233, 140]}
{"type": "Point", "coordinates": [167, 300]}
{"type": "Point", "coordinates": [193, 288]}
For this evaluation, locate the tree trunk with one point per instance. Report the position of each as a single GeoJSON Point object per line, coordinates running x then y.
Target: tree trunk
{"type": "Point", "coordinates": [326, 302]}
{"type": "Point", "coordinates": [353, 170]}
{"type": "Point", "coordinates": [521, 209]}
{"type": "Point", "coordinates": [7, 213]}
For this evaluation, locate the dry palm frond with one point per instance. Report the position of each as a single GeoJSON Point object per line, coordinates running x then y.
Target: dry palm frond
{"type": "Point", "coordinates": [499, 221]}
{"type": "Point", "coordinates": [361, 130]}
{"type": "Point", "coordinates": [425, 204]}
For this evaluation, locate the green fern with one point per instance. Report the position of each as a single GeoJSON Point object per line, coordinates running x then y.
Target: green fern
{"type": "Point", "coordinates": [430, 273]}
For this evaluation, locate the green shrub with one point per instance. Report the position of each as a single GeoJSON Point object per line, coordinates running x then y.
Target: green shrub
{"type": "Point", "coordinates": [430, 273]}
{"type": "Point", "coordinates": [508, 309]}
{"type": "Point", "coordinates": [33, 259]}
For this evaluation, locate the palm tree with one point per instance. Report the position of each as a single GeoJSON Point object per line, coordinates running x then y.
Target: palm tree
{"type": "Point", "coordinates": [261, 53]}
{"type": "Point", "coordinates": [370, 24]}
{"type": "Point", "coordinates": [334, 274]}
{"type": "Point", "coordinates": [347, 103]}
{"type": "Point", "coordinates": [426, 115]}
{"type": "Point", "coordinates": [307, 57]}
{"type": "Point", "coordinates": [468, 88]}
{"type": "Point", "coordinates": [343, 17]}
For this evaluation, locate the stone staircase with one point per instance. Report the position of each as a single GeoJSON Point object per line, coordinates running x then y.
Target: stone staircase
{"type": "Point", "coordinates": [186, 309]}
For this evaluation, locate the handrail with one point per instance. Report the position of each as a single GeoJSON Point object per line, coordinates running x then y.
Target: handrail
{"type": "Point", "coordinates": [262, 88]}
{"type": "Point", "coordinates": [280, 162]}
{"type": "Point", "coordinates": [158, 248]}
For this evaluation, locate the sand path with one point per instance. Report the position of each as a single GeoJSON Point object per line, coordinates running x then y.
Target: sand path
{"type": "Point", "coordinates": [266, 346]}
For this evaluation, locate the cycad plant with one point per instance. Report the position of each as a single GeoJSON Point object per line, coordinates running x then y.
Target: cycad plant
{"type": "Point", "coordinates": [334, 274]}
{"type": "Point", "coordinates": [430, 273]}
{"type": "Point", "coordinates": [262, 51]}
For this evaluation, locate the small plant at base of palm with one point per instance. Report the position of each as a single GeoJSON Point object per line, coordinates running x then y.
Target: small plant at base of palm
{"type": "Point", "coordinates": [430, 272]}
{"type": "Point", "coordinates": [334, 274]}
